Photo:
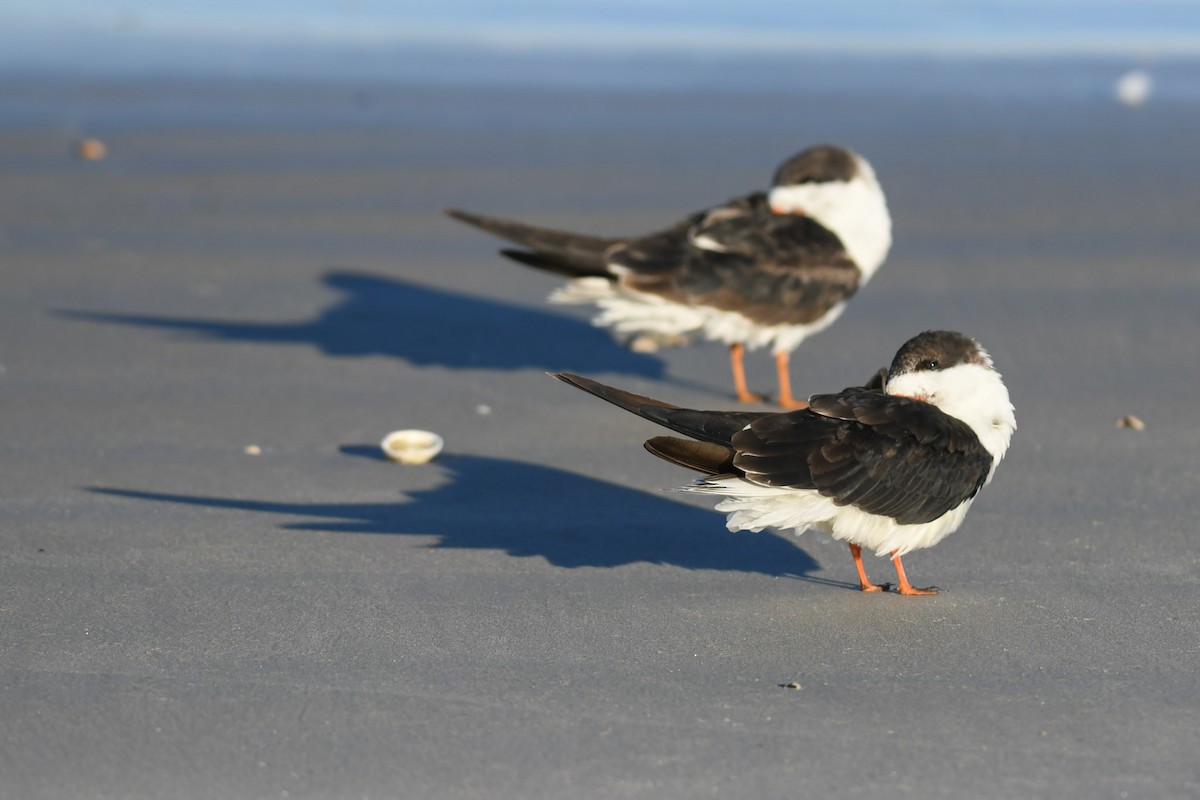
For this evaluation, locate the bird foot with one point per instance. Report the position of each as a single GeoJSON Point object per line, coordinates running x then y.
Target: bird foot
{"type": "Point", "coordinates": [912, 591]}
{"type": "Point", "coordinates": [875, 587]}
{"type": "Point", "coordinates": [751, 397]}
{"type": "Point", "coordinates": [792, 404]}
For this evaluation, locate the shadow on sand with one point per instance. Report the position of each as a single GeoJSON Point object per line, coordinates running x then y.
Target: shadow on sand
{"type": "Point", "coordinates": [424, 326]}
{"type": "Point", "coordinates": [527, 510]}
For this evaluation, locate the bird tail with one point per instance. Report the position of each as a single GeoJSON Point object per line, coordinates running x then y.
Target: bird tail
{"type": "Point", "coordinates": [712, 427]}
{"type": "Point", "coordinates": [711, 459]}
{"type": "Point", "coordinates": [560, 252]}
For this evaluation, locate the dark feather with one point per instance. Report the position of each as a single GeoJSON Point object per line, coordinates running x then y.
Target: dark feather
{"type": "Point", "coordinates": [771, 268]}
{"type": "Point", "coordinates": [561, 252]}
{"type": "Point", "coordinates": [556, 265]}
{"type": "Point", "coordinates": [711, 459]}
{"type": "Point", "coordinates": [717, 427]}
{"type": "Point", "coordinates": [886, 455]}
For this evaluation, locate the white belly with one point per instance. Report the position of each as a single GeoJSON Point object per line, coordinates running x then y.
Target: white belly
{"type": "Point", "coordinates": [631, 314]}
{"type": "Point", "coordinates": [753, 508]}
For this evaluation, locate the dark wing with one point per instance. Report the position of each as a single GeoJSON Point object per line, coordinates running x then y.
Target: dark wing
{"type": "Point", "coordinates": [886, 455]}
{"type": "Point", "coordinates": [772, 268]}
{"type": "Point", "coordinates": [654, 256]}
{"type": "Point", "coordinates": [561, 252]}
{"type": "Point", "coordinates": [714, 427]}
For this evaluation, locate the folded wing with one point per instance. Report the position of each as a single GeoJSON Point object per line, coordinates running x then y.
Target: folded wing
{"type": "Point", "coordinates": [886, 455]}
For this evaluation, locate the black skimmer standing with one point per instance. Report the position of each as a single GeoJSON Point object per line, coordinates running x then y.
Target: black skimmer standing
{"type": "Point", "coordinates": [892, 466]}
{"type": "Point", "coordinates": [770, 268]}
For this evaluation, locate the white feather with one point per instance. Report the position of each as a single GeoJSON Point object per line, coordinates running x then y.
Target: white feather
{"type": "Point", "coordinates": [630, 313]}
{"type": "Point", "coordinates": [753, 508]}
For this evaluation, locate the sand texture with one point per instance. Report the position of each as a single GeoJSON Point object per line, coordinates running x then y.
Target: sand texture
{"type": "Point", "coordinates": [533, 614]}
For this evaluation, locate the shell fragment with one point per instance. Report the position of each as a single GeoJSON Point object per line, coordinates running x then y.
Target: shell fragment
{"type": "Point", "coordinates": [411, 446]}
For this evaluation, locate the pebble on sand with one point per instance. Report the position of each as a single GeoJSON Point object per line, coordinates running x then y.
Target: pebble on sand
{"type": "Point", "coordinates": [91, 150]}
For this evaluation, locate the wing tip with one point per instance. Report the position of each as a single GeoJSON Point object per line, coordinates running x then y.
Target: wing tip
{"type": "Point", "coordinates": [464, 216]}
{"type": "Point", "coordinates": [571, 378]}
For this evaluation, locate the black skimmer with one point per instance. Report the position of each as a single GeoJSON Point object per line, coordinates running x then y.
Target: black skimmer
{"type": "Point", "coordinates": [770, 268]}
{"type": "Point", "coordinates": [892, 466]}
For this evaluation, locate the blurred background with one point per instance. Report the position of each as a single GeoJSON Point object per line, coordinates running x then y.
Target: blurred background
{"type": "Point", "coordinates": [1005, 129]}
{"type": "Point", "coordinates": [917, 45]}
{"type": "Point", "coordinates": [611, 43]}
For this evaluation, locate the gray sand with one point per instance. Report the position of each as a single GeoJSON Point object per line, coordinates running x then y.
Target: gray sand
{"type": "Point", "coordinates": [534, 615]}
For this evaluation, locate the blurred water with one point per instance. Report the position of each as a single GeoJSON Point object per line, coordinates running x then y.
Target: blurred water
{"type": "Point", "coordinates": [815, 95]}
{"type": "Point", "coordinates": [466, 71]}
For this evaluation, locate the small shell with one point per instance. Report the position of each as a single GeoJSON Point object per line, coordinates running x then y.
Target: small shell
{"type": "Point", "coordinates": [411, 446]}
{"type": "Point", "coordinates": [1130, 421]}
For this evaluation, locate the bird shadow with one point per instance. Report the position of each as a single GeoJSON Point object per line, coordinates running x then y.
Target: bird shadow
{"type": "Point", "coordinates": [526, 510]}
{"type": "Point", "coordinates": [424, 326]}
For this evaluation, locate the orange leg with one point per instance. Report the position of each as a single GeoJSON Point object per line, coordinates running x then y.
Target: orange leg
{"type": "Point", "coordinates": [864, 582]}
{"type": "Point", "coordinates": [744, 395]}
{"type": "Point", "coordinates": [785, 383]}
{"type": "Point", "coordinates": [905, 587]}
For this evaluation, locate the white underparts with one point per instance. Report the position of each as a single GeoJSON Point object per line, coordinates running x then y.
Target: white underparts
{"type": "Point", "coordinates": [753, 508]}
{"type": "Point", "coordinates": [630, 314]}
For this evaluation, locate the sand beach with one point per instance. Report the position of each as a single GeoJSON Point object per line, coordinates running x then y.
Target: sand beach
{"type": "Point", "coordinates": [534, 614]}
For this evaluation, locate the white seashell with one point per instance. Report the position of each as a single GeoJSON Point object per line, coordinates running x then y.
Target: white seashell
{"type": "Point", "coordinates": [411, 446]}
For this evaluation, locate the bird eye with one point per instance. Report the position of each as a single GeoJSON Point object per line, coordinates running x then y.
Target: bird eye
{"type": "Point", "coordinates": [929, 363]}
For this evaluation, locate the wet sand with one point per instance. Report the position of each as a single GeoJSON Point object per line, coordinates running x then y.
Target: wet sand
{"type": "Point", "coordinates": [534, 615]}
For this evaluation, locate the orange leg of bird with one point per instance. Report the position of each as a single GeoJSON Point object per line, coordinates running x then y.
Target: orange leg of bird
{"type": "Point", "coordinates": [744, 395]}
{"type": "Point", "coordinates": [785, 383]}
{"type": "Point", "coordinates": [864, 582]}
{"type": "Point", "coordinates": [904, 586]}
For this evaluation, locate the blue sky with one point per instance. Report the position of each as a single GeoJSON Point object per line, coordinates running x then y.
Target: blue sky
{"type": "Point", "coordinates": [193, 36]}
{"type": "Point", "coordinates": [1168, 27]}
